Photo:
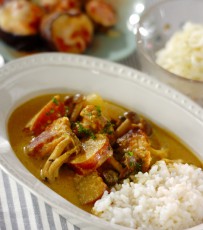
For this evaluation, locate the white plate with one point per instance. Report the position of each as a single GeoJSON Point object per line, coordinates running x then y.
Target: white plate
{"type": "Point", "coordinates": [27, 77]}
{"type": "Point", "coordinates": [115, 47]}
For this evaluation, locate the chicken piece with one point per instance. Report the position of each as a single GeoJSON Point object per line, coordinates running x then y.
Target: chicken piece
{"type": "Point", "coordinates": [94, 121]}
{"type": "Point", "coordinates": [92, 118]}
{"type": "Point", "coordinates": [101, 13]}
{"type": "Point", "coordinates": [54, 109]}
{"type": "Point", "coordinates": [135, 150]}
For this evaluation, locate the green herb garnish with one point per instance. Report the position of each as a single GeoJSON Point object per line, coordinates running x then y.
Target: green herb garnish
{"type": "Point", "coordinates": [98, 110]}
{"type": "Point", "coordinates": [51, 111]}
{"type": "Point", "coordinates": [84, 131]}
{"type": "Point", "coordinates": [138, 166]}
{"type": "Point", "coordinates": [55, 101]}
{"type": "Point", "coordinates": [132, 163]}
{"type": "Point", "coordinates": [108, 128]}
{"type": "Point", "coordinates": [130, 153]}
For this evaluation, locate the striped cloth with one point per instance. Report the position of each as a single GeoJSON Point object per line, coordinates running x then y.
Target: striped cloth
{"type": "Point", "coordinates": [21, 210]}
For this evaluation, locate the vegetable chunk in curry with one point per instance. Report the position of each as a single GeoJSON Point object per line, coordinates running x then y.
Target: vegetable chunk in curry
{"type": "Point", "coordinates": [81, 146]}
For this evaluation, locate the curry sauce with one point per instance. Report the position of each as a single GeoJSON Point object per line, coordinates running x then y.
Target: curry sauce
{"type": "Point", "coordinates": [64, 184]}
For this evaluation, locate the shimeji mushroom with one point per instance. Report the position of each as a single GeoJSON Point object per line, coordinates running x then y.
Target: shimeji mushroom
{"type": "Point", "coordinates": [74, 104]}
{"type": "Point", "coordinates": [126, 125]}
{"type": "Point", "coordinates": [58, 142]}
{"type": "Point", "coordinates": [68, 146]}
{"type": "Point", "coordinates": [79, 101]}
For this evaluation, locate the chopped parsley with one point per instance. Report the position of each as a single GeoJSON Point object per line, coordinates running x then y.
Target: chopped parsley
{"type": "Point", "coordinates": [55, 101]}
{"type": "Point", "coordinates": [132, 164]}
{"type": "Point", "coordinates": [135, 165]}
{"type": "Point", "coordinates": [82, 130]}
{"type": "Point", "coordinates": [138, 166]}
{"type": "Point", "coordinates": [98, 110]}
{"type": "Point", "coordinates": [108, 128]}
{"type": "Point", "coordinates": [51, 111]}
{"type": "Point", "coordinates": [130, 153]}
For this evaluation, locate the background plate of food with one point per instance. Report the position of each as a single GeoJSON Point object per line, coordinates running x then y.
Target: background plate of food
{"type": "Point", "coordinates": [104, 157]}
{"type": "Point", "coordinates": [98, 27]}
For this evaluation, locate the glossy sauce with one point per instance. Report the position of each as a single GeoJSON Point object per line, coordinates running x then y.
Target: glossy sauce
{"type": "Point", "coordinates": [64, 184]}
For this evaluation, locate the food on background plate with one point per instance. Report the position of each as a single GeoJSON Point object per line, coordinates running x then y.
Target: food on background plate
{"type": "Point", "coordinates": [64, 26]}
{"type": "Point", "coordinates": [101, 13]}
{"type": "Point", "coordinates": [53, 5]}
{"type": "Point", "coordinates": [19, 24]}
{"type": "Point", "coordinates": [92, 151]}
{"type": "Point", "coordinates": [67, 32]}
{"type": "Point", "coordinates": [183, 53]}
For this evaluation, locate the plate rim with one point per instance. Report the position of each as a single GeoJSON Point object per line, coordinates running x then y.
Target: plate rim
{"type": "Point", "coordinates": [105, 66]}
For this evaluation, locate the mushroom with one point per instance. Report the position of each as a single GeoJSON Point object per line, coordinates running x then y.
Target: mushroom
{"type": "Point", "coordinates": [118, 167]}
{"type": "Point", "coordinates": [115, 164]}
{"type": "Point", "coordinates": [131, 119]}
{"type": "Point", "coordinates": [79, 101]}
{"type": "Point", "coordinates": [59, 142]}
{"type": "Point", "coordinates": [75, 104]}
{"type": "Point", "coordinates": [68, 102]}
{"type": "Point", "coordinates": [145, 126]}
{"type": "Point", "coordinates": [59, 156]}
{"type": "Point", "coordinates": [159, 153]}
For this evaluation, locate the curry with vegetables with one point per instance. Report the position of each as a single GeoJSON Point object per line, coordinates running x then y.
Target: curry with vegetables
{"type": "Point", "coordinates": [81, 145]}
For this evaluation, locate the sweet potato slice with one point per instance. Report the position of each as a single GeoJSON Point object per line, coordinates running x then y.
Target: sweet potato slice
{"type": "Point", "coordinates": [89, 188]}
{"type": "Point", "coordinates": [96, 152]}
{"type": "Point", "coordinates": [50, 112]}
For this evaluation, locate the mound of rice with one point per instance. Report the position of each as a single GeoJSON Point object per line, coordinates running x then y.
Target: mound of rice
{"type": "Point", "coordinates": [169, 196]}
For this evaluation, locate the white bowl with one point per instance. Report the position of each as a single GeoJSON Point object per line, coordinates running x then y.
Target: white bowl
{"type": "Point", "coordinates": [27, 77]}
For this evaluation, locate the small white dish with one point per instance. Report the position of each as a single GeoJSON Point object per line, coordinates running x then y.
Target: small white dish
{"type": "Point", "coordinates": [28, 77]}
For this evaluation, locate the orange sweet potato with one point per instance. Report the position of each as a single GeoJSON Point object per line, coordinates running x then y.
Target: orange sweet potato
{"type": "Point", "coordinates": [50, 112]}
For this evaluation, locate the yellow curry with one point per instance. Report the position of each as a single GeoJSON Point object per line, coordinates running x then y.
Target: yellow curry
{"type": "Point", "coordinates": [80, 146]}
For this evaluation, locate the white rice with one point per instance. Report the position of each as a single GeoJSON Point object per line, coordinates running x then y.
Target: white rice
{"type": "Point", "coordinates": [183, 53]}
{"type": "Point", "coordinates": [170, 196]}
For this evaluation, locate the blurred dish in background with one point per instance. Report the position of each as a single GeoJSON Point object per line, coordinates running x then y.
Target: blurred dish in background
{"type": "Point", "coordinates": [110, 37]}
{"type": "Point", "coordinates": [157, 25]}
{"type": "Point", "coordinates": [183, 52]}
